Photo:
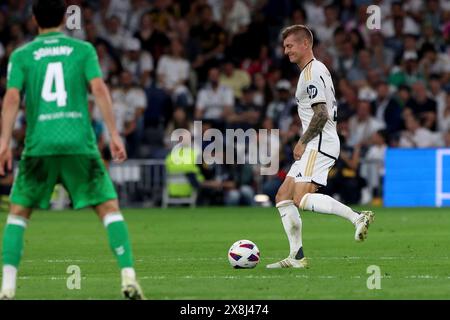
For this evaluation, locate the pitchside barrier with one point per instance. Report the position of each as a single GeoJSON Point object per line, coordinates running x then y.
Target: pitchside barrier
{"type": "Point", "coordinates": [417, 178]}
{"type": "Point", "coordinates": [140, 183]}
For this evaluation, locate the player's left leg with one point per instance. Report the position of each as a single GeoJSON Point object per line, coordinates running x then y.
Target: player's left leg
{"type": "Point", "coordinates": [12, 248]}
{"type": "Point", "coordinates": [32, 188]}
{"type": "Point", "coordinates": [325, 204]}
{"type": "Point", "coordinates": [309, 200]}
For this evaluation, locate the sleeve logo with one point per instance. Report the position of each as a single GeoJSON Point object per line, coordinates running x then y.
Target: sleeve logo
{"type": "Point", "coordinates": [312, 91]}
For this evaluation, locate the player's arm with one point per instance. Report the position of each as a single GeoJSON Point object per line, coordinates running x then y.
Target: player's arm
{"type": "Point", "coordinates": [10, 108]}
{"type": "Point", "coordinates": [104, 102]}
{"type": "Point", "coordinates": [318, 121]}
{"type": "Point", "coordinates": [316, 125]}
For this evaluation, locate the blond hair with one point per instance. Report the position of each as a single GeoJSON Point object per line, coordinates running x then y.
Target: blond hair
{"type": "Point", "coordinates": [300, 30]}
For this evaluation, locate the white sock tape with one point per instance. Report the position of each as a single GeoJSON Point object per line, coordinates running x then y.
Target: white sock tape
{"type": "Point", "coordinates": [17, 220]}
{"type": "Point", "coordinates": [284, 203]}
{"type": "Point", "coordinates": [112, 217]}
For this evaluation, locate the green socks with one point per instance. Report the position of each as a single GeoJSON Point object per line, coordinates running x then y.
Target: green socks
{"type": "Point", "coordinates": [13, 240]}
{"type": "Point", "coordinates": [118, 239]}
{"type": "Point", "coordinates": [12, 252]}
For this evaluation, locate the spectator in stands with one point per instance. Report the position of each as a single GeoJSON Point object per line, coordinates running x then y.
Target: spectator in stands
{"type": "Point", "coordinates": [363, 125]}
{"type": "Point", "coordinates": [215, 101]}
{"type": "Point", "coordinates": [235, 17]}
{"type": "Point", "coordinates": [383, 56]}
{"type": "Point", "coordinates": [408, 73]}
{"type": "Point", "coordinates": [173, 75]}
{"type": "Point", "coordinates": [439, 95]}
{"type": "Point", "coordinates": [178, 120]}
{"type": "Point", "coordinates": [210, 40]}
{"type": "Point", "coordinates": [259, 65]}
{"type": "Point", "coordinates": [133, 97]}
{"type": "Point", "coordinates": [346, 56]}
{"type": "Point", "coordinates": [246, 114]}
{"type": "Point", "coordinates": [416, 136]}
{"type": "Point", "coordinates": [433, 62]}
{"type": "Point", "coordinates": [374, 170]}
{"type": "Point", "coordinates": [137, 10]}
{"type": "Point", "coordinates": [234, 78]}
{"type": "Point", "coordinates": [115, 33]}
{"type": "Point", "coordinates": [347, 99]}
{"type": "Point", "coordinates": [263, 93]}
{"type": "Point", "coordinates": [279, 111]}
{"type": "Point", "coordinates": [213, 191]}
{"type": "Point", "coordinates": [402, 95]}
{"type": "Point", "coordinates": [387, 109]}
{"type": "Point", "coordinates": [422, 106]}
{"type": "Point", "coordinates": [398, 15]}
{"type": "Point", "coordinates": [91, 35]}
{"type": "Point", "coordinates": [325, 31]}
{"type": "Point", "coordinates": [357, 75]}
{"type": "Point", "coordinates": [138, 62]}
{"type": "Point", "coordinates": [445, 122]}
{"type": "Point", "coordinates": [152, 40]}
{"type": "Point", "coordinates": [106, 61]}
{"type": "Point", "coordinates": [238, 185]}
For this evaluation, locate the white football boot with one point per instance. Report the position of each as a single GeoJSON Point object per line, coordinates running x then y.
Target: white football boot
{"type": "Point", "coordinates": [7, 295]}
{"type": "Point", "coordinates": [131, 289]}
{"type": "Point", "coordinates": [362, 225]}
{"type": "Point", "coordinates": [289, 263]}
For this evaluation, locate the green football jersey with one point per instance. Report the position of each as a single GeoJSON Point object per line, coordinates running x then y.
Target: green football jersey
{"type": "Point", "coordinates": [54, 71]}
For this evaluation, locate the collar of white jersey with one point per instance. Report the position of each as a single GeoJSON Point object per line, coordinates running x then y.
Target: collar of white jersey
{"type": "Point", "coordinates": [308, 63]}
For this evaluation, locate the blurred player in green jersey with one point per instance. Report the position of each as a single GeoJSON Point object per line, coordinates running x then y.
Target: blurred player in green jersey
{"type": "Point", "coordinates": [54, 72]}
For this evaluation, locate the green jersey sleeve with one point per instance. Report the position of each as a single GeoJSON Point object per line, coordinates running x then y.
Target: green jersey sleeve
{"type": "Point", "coordinates": [16, 74]}
{"type": "Point", "coordinates": [92, 66]}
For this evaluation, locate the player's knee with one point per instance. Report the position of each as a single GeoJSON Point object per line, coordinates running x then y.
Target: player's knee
{"type": "Point", "coordinates": [300, 200]}
{"type": "Point", "coordinates": [107, 207]}
{"type": "Point", "coordinates": [20, 211]}
{"type": "Point", "coordinates": [281, 196]}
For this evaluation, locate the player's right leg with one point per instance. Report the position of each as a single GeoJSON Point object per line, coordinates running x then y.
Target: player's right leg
{"type": "Point", "coordinates": [89, 184]}
{"type": "Point", "coordinates": [12, 249]}
{"type": "Point", "coordinates": [109, 213]}
{"type": "Point", "coordinates": [292, 224]}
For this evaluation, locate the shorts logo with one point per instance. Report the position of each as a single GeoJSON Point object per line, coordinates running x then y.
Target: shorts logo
{"type": "Point", "coordinates": [312, 91]}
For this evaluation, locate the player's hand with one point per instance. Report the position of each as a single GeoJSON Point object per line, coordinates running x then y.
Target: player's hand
{"type": "Point", "coordinates": [299, 150]}
{"type": "Point", "coordinates": [5, 159]}
{"type": "Point", "coordinates": [118, 152]}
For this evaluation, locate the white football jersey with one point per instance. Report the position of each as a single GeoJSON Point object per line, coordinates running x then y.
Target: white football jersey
{"type": "Point", "coordinates": [316, 86]}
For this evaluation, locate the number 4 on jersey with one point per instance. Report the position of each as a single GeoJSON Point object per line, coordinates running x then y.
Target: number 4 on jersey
{"type": "Point", "coordinates": [54, 74]}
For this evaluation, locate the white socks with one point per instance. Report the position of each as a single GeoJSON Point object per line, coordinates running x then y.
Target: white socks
{"type": "Point", "coordinates": [9, 279]}
{"type": "Point", "coordinates": [128, 274]}
{"type": "Point", "coordinates": [292, 225]}
{"type": "Point", "coordinates": [322, 203]}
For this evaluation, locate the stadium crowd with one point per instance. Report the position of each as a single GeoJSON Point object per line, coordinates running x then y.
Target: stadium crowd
{"type": "Point", "coordinates": [170, 62]}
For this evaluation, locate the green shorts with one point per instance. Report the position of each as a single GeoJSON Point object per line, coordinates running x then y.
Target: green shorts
{"type": "Point", "coordinates": [83, 176]}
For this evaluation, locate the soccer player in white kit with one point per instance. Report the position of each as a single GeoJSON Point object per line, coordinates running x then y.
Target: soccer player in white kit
{"type": "Point", "coordinates": [316, 151]}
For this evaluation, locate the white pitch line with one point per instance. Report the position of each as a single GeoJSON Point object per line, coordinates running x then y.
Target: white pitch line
{"type": "Point", "coordinates": [221, 259]}
{"type": "Point", "coordinates": [237, 277]}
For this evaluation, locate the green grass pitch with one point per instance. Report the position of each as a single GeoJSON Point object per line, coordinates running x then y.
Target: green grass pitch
{"type": "Point", "coordinates": [181, 253]}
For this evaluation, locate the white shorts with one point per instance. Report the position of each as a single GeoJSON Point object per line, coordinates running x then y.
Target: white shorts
{"type": "Point", "coordinates": [312, 167]}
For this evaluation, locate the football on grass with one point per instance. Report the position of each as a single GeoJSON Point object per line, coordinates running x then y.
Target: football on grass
{"type": "Point", "coordinates": [243, 254]}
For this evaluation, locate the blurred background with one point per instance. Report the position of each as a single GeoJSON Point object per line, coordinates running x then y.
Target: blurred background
{"type": "Point", "coordinates": [170, 62]}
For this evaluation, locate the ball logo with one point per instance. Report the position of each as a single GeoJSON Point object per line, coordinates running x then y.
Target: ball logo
{"type": "Point", "coordinates": [312, 91]}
